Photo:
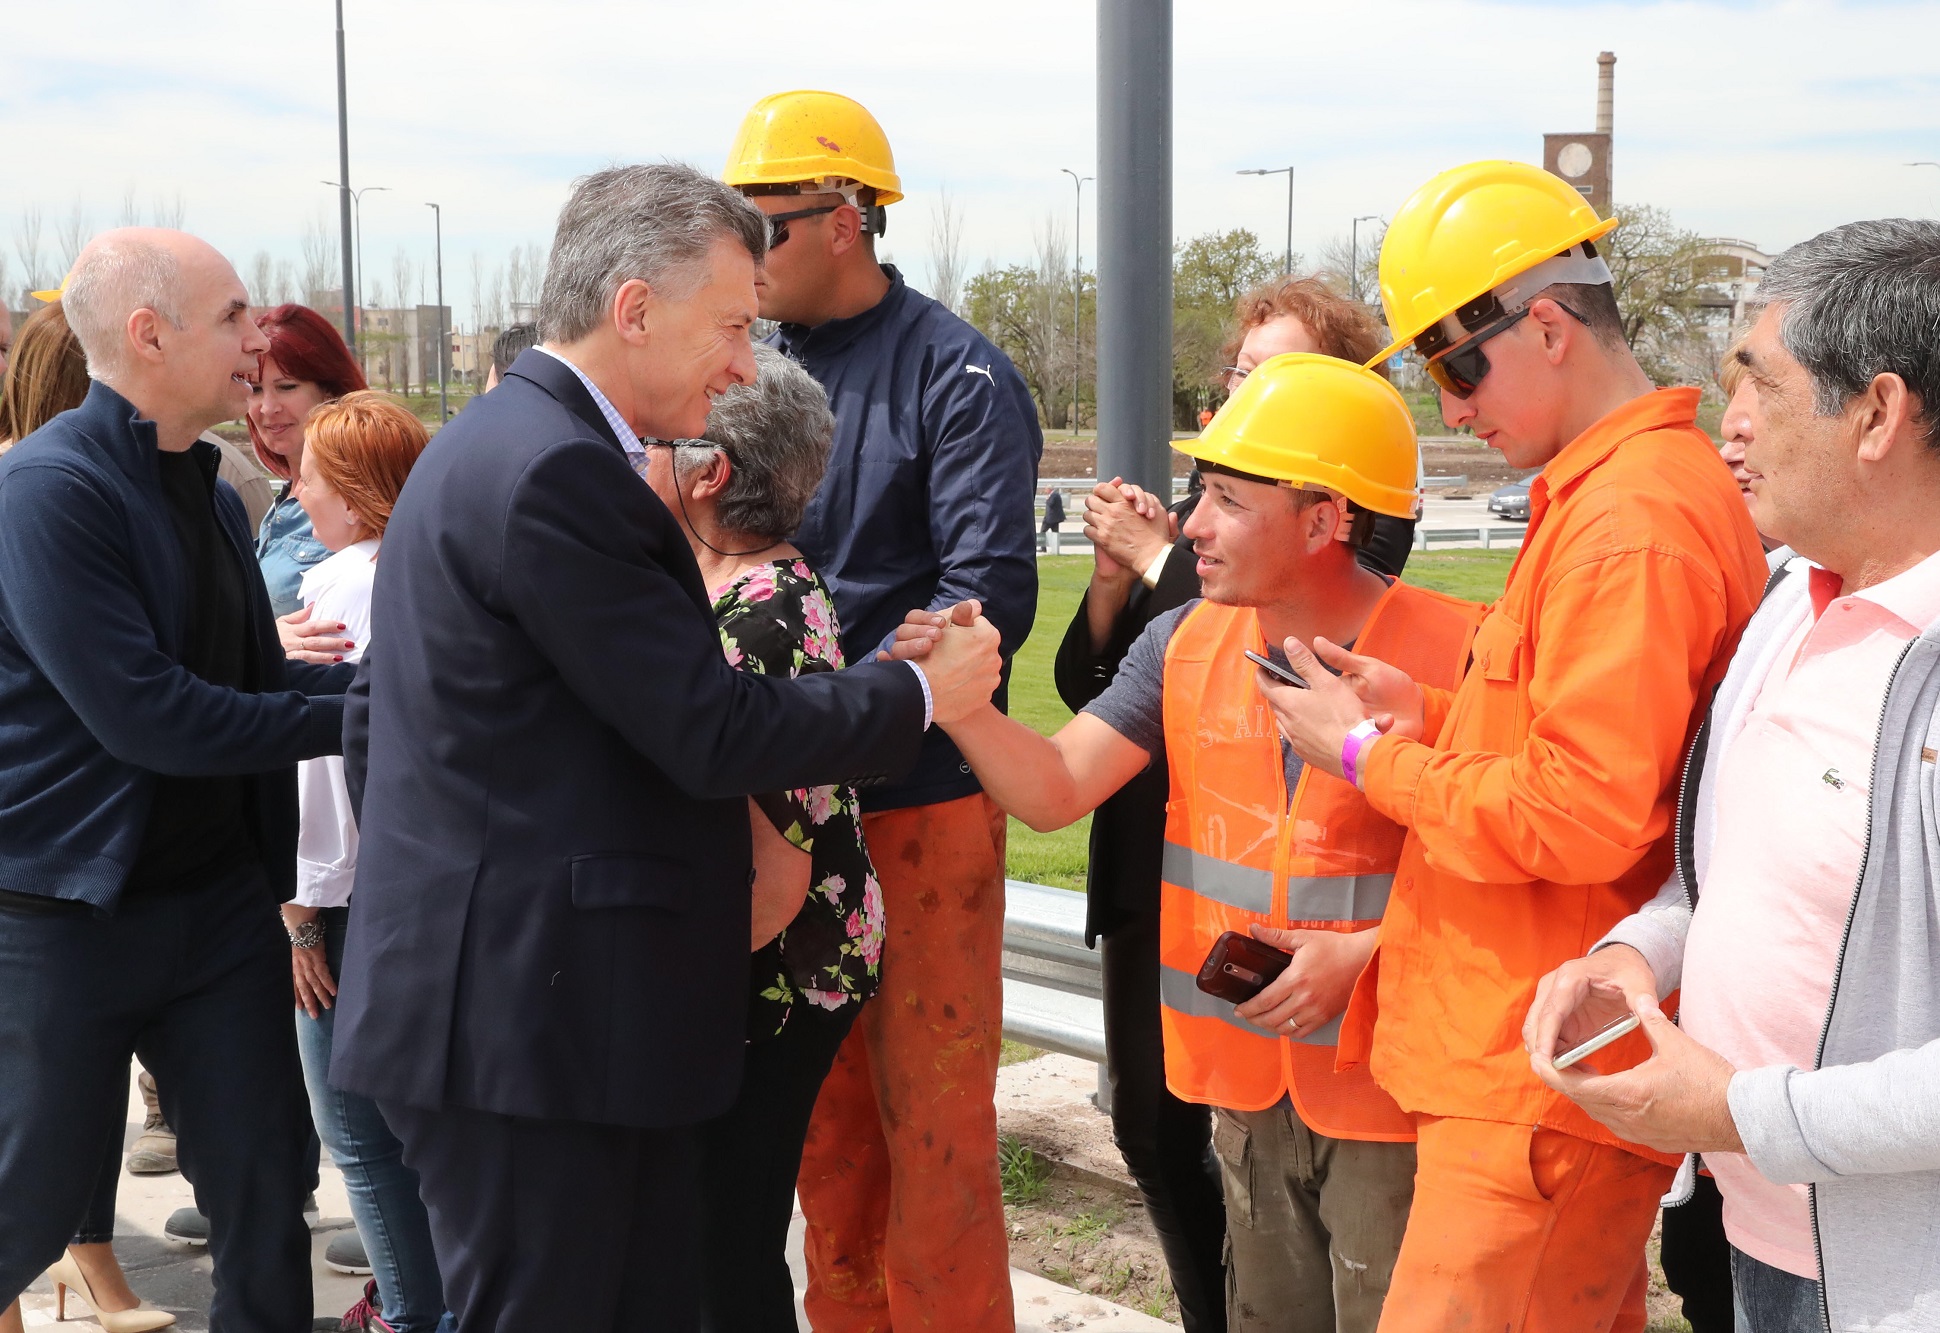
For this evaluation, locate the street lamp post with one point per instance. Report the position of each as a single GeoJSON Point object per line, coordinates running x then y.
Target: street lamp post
{"type": "Point", "coordinates": [357, 213]}
{"type": "Point", "coordinates": [444, 339]}
{"type": "Point", "coordinates": [344, 200]}
{"type": "Point", "coordinates": [1275, 171]}
{"type": "Point", "coordinates": [1354, 253]}
{"type": "Point", "coordinates": [1077, 290]}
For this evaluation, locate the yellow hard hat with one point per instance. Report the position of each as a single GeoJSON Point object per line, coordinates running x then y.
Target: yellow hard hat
{"type": "Point", "coordinates": [798, 137]}
{"type": "Point", "coordinates": [52, 294]}
{"type": "Point", "coordinates": [1469, 230]}
{"type": "Point", "coordinates": [1313, 420]}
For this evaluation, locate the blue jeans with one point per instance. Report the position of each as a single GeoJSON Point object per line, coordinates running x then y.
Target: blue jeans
{"type": "Point", "coordinates": [1771, 1300]}
{"type": "Point", "coordinates": [383, 1191]}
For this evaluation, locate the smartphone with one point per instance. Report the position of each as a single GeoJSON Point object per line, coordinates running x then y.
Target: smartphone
{"type": "Point", "coordinates": [1623, 1027]}
{"type": "Point", "coordinates": [1285, 673]}
{"type": "Point", "coordinates": [1239, 967]}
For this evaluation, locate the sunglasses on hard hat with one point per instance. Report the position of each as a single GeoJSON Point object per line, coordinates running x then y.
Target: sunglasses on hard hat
{"type": "Point", "coordinates": [1459, 368]}
{"type": "Point", "coordinates": [778, 222]}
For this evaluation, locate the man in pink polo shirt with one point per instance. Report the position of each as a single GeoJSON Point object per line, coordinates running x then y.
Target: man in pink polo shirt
{"type": "Point", "coordinates": [1804, 921]}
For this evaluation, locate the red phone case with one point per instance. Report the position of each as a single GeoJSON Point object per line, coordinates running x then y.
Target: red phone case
{"type": "Point", "coordinates": [1239, 967]}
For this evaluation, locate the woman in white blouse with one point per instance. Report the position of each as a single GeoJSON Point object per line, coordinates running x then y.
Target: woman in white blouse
{"type": "Point", "coordinates": [357, 453]}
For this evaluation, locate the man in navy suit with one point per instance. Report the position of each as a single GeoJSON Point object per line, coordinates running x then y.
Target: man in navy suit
{"type": "Point", "coordinates": [545, 973]}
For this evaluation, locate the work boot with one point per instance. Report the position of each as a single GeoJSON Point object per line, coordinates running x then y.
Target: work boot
{"type": "Point", "coordinates": [154, 1152]}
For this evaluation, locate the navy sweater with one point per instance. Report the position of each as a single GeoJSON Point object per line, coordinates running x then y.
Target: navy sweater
{"type": "Point", "coordinates": [94, 603]}
{"type": "Point", "coordinates": [930, 490]}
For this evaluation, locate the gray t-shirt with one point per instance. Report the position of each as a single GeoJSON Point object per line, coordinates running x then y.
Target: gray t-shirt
{"type": "Point", "coordinates": [1133, 705]}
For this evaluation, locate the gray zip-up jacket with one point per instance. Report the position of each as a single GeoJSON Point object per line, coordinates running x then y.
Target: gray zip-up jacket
{"type": "Point", "coordinates": [1862, 1127]}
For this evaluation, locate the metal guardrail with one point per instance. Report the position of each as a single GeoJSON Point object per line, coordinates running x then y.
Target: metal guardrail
{"type": "Point", "coordinates": [1053, 983]}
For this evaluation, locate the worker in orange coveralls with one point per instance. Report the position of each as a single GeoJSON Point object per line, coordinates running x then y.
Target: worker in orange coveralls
{"type": "Point", "coordinates": [1538, 796]}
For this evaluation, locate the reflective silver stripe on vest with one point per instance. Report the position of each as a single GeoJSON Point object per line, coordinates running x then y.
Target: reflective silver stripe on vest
{"type": "Point", "coordinates": [1179, 992]}
{"type": "Point", "coordinates": [1309, 897]}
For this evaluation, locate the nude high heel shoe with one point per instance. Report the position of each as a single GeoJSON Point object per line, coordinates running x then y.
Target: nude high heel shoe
{"type": "Point", "coordinates": [66, 1276]}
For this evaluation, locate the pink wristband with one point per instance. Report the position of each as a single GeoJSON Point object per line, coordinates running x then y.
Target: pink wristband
{"type": "Point", "coordinates": [1364, 734]}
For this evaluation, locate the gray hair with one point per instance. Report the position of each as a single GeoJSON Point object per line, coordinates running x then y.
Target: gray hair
{"type": "Point", "coordinates": [114, 277]}
{"type": "Point", "coordinates": [655, 223]}
{"type": "Point", "coordinates": [776, 433]}
{"type": "Point", "coordinates": [1863, 300]}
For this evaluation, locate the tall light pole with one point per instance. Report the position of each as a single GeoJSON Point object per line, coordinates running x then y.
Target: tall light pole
{"type": "Point", "coordinates": [1275, 171]}
{"type": "Point", "coordinates": [357, 212]}
{"type": "Point", "coordinates": [344, 201]}
{"type": "Point", "coordinates": [1077, 290]}
{"type": "Point", "coordinates": [1354, 253]}
{"type": "Point", "coordinates": [444, 339]}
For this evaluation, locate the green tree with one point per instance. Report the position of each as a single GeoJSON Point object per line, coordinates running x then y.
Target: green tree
{"type": "Point", "coordinates": [1210, 273]}
{"type": "Point", "coordinates": [1657, 273]}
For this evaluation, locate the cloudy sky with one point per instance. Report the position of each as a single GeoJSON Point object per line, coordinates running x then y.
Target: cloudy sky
{"type": "Point", "coordinates": [1762, 121]}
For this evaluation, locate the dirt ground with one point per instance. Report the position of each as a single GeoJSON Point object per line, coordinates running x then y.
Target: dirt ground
{"type": "Point", "coordinates": [1084, 1224]}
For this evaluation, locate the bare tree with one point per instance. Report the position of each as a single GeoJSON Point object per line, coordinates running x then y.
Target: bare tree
{"type": "Point", "coordinates": [261, 267]}
{"type": "Point", "coordinates": [26, 245]}
{"type": "Point", "coordinates": [946, 250]}
{"type": "Point", "coordinates": [285, 288]}
{"type": "Point", "coordinates": [72, 234]}
{"type": "Point", "coordinates": [169, 213]}
{"type": "Point", "coordinates": [525, 274]}
{"type": "Point", "coordinates": [130, 215]}
{"type": "Point", "coordinates": [1355, 269]}
{"type": "Point", "coordinates": [6, 287]}
{"type": "Point", "coordinates": [319, 260]}
{"type": "Point", "coordinates": [403, 279]}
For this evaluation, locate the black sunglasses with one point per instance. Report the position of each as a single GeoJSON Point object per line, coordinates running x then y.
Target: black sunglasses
{"type": "Point", "coordinates": [778, 222]}
{"type": "Point", "coordinates": [1461, 368]}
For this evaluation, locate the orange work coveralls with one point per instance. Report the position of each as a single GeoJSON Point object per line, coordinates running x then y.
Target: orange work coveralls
{"type": "Point", "coordinates": [1539, 810]}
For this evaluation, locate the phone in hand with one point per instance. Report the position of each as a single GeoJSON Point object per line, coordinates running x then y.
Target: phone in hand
{"type": "Point", "coordinates": [1623, 1027]}
{"type": "Point", "coordinates": [1273, 668]}
{"type": "Point", "coordinates": [1239, 967]}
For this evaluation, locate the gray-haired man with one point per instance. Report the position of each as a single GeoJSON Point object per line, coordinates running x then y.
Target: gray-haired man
{"type": "Point", "coordinates": [545, 981]}
{"type": "Point", "coordinates": [1801, 924]}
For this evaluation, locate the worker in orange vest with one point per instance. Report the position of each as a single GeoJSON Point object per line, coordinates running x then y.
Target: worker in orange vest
{"type": "Point", "coordinates": [1318, 1162]}
{"type": "Point", "coordinates": [1538, 796]}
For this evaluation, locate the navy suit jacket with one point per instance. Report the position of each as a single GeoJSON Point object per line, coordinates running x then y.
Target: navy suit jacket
{"type": "Point", "coordinates": [552, 907]}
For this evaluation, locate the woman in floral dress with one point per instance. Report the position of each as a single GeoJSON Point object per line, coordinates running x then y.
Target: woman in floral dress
{"type": "Point", "coordinates": [818, 922]}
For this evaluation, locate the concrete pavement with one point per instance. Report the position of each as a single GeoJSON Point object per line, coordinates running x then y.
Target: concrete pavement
{"type": "Point", "coordinates": [176, 1278]}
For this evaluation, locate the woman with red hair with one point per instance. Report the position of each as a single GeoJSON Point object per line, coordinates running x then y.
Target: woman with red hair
{"type": "Point", "coordinates": [307, 365]}
{"type": "Point", "coordinates": [360, 450]}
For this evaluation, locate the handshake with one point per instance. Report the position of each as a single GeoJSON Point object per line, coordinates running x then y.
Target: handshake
{"type": "Point", "coordinates": [957, 651]}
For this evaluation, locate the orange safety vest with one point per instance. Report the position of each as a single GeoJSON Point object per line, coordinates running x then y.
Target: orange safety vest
{"type": "Point", "coordinates": [1237, 853]}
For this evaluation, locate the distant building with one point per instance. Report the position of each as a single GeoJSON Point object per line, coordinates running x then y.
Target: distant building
{"type": "Point", "coordinates": [1728, 274]}
{"type": "Point", "coordinates": [397, 345]}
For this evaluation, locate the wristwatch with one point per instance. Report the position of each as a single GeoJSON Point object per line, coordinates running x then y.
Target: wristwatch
{"type": "Point", "coordinates": [308, 935]}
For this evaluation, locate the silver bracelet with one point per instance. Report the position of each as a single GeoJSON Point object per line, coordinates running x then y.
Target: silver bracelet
{"type": "Point", "coordinates": [307, 935]}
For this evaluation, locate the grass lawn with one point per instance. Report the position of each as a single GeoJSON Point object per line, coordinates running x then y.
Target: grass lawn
{"type": "Point", "coordinates": [1059, 858]}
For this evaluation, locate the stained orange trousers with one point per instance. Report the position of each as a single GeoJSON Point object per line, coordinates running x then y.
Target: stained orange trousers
{"type": "Point", "coordinates": [1520, 1230]}
{"type": "Point", "coordinates": [899, 1179]}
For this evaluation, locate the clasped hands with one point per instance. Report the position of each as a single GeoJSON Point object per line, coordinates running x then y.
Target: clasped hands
{"type": "Point", "coordinates": [959, 653]}
{"type": "Point", "coordinates": [1127, 527]}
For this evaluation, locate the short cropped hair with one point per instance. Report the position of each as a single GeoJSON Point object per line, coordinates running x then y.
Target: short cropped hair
{"type": "Point", "coordinates": [46, 376]}
{"type": "Point", "coordinates": [1343, 328]}
{"type": "Point", "coordinates": [511, 341]}
{"type": "Point", "coordinates": [1859, 301]}
{"type": "Point", "coordinates": [1596, 303]}
{"type": "Point", "coordinates": [775, 433]}
{"type": "Point", "coordinates": [655, 223]}
{"type": "Point", "coordinates": [363, 446]}
{"type": "Point", "coordinates": [113, 278]}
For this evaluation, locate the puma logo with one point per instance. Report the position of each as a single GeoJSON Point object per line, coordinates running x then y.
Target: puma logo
{"type": "Point", "coordinates": [981, 370]}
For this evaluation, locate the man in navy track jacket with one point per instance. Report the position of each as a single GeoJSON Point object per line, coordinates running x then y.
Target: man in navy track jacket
{"type": "Point", "coordinates": [149, 732]}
